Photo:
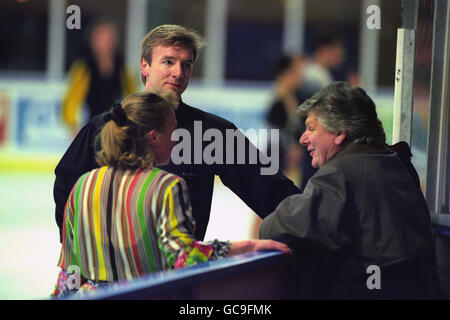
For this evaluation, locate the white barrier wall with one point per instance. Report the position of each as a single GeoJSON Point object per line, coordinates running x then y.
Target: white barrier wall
{"type": "Point", "coordinates": [30, 114]}
{"type": "Point", "coordinates": [30, 117]}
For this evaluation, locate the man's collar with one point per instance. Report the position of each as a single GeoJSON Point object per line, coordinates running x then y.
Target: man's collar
{"type": "Point", "coordinates": [353, 148]}
{"type": "Point", "coordinates": [179, 106]}
{"type": "Point", "coordinates": [176, 105]}
{"type": "Point", "coordinates": [180, 112]}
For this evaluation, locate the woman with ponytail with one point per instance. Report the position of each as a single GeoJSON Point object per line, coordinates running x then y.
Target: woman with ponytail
{"type": "Point", "coordinates": [129, 218]}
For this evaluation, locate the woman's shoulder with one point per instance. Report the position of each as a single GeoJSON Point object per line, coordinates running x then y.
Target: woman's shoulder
{"type": "Point", "coordinates": [162, 175]}
{"type": "Point", "coordinates": [88, 179]}
{"type": "Point", "coordinates": [96, 173]}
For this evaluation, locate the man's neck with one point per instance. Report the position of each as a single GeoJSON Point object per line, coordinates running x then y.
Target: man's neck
{"type": "Point", "coordinates": [173, 100]}
{"type": "Point", "coordinates": [176, 104]}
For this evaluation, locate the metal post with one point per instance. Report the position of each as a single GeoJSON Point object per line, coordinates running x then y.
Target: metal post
{"type": "Point", "coordinates": [368, 49]}
{"type": "Point", "coordinates": [294, 26]}
{"type": "Point", "coordinates": [438, 171]}
{"type": "Point", "coordinates": [56, 45]}
{"type": "Point", "coordinates": [136, 28]}
{"type": "Point", "coordinates": [403, 94]}
{"type": "Point", "coordinates": [216, 35]}
{"type": "Point", "coordinates": [410, 10]}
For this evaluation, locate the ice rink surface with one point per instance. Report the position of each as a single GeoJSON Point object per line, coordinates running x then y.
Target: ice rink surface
{"type": "Point", "coordinates": [29, 240]}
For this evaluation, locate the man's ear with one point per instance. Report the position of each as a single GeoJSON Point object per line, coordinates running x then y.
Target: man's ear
{"type": "Point", "coordinates": [144, 67]}
{"type": "Point", "coordinates": [339, 139]}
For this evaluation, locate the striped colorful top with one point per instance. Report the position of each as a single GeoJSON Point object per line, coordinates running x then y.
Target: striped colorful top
{"type": "Point", "coordinates": [122, 224]}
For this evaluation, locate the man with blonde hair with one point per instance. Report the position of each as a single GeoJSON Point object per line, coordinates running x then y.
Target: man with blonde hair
{"type": "Point", "coordinates": [168, 56]}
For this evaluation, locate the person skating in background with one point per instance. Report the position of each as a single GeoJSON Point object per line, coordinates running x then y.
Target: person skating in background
{"type": "Point", "coordinates": [97, 78]}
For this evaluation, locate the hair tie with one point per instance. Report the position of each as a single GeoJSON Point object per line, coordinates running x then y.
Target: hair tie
{"type": "Point", "coordinates": [118, 115]}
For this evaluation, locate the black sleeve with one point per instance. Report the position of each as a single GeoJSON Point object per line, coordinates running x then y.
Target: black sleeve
{"type": "Point", "coordinates": [261, 192]}
{"type": "Point", "coordinates": [320, 216]}
{"type": "Point", "coordinates": [78, 159]}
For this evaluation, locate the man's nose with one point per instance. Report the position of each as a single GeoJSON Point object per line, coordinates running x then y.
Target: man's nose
{"type": "Point", "coordinates": [177, 70]}
{"type": "Point", "coordinates": [303, 139]}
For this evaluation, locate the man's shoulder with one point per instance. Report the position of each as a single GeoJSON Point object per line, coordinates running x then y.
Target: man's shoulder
{"type": "Point", "coordinates": [94, 126]}
{"type": "Point", "coordinates": [98, 120]}
{"type": "Point", "coordinates": [209, 119]}
{"type": "Point", "coordinates": [357, 166]}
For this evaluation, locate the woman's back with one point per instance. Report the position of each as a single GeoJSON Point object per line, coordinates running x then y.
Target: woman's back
{"type": "Point", "coordinates": [122, 224]}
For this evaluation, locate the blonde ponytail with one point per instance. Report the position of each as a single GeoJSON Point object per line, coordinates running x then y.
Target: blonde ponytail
{"type": "Point", "coordinates": [123, 139]}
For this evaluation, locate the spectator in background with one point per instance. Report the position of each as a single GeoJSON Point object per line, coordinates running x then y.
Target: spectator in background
{"type": "Point", "coordinates": [295, 162]}
{"type": "Point", "coordinates": [97, 78]}
{"type": "Point", "coordinates": [282, 114]}
{"type": "Point", "coordinates": [290, 91]}
{"type": "Point", "coordinates": [353, 78]}
{"type": "Point", "coordinates": [129, 218]}
{"type": "Point", "coordinates": [329, 53]}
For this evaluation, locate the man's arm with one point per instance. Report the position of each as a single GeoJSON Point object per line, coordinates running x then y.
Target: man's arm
{"type": "Point", "coordinates": [78, 159]}
{"type": "Point", "coordinates": [319, 217]}
{"type": "Point", "coordinates": [262, 192]}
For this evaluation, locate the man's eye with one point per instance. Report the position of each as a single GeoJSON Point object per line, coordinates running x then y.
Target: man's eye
{"type": "Point", "coordinates": [187, 65]}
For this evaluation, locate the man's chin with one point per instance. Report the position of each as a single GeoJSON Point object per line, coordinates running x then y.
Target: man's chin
{"type": "Point", "coordinates": [172, 93]}
{"type": "Point", "coordinates": [175, 92]}
{"type": "Point", "coordinates": [171, 96]}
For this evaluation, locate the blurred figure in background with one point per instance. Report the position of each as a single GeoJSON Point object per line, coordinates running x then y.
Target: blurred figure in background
{"type": "Point", "coordinates": [290, 91]}
{"type": "Point", "coordinates": [97, 78]}
{"type": "Point", "coordinates": [353, 78]}
{"type": "Point", "coordinates": [282, 113]}
{"type": "Point", "coordinates": [329, 53]}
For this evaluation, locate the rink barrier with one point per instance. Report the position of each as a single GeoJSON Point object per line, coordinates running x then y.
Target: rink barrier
{"type": "Point", "coordinates": [441, 229]}
{"type": "Point", "coordinates": [255, 275]}
{"type": "Point", "coordinates": [251, 276]}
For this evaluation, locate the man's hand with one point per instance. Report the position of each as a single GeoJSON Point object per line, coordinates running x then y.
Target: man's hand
{"type": "Point", "coordinates": [238, 247]}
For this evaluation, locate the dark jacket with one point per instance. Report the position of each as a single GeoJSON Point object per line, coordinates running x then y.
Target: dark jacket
{"type": "Point", "coordinates": [361, 208]}
{"type": "Point", "coordinates": [262, 193]}
{"type": "Point", "coordinates": [98, 92]}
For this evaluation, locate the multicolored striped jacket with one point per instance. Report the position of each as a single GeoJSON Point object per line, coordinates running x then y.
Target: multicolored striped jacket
{"type": "Point", "coordinates": [122, 224]}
